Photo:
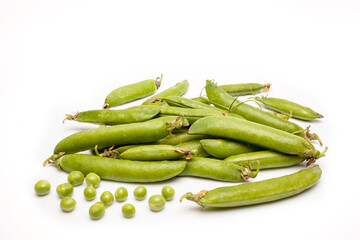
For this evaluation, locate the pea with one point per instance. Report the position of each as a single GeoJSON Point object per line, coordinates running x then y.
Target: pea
{"type": "Point", "coordinates": [76, 178]}
{"type": "Point", "coordinates": [107, 198]}
{"type": "Point", "coordinates": [67, 204]}
{"type": "Point", "coordinates": [97, 210]}
{"type": "Point", "coordinates": [42, 187]}
{"type": "Point", "coordinates": [128, 210]}
{"type": "Point", "coordinates": [140, 193]}
{"type": "Point", "coordinates": [168, 193]}
{"type": "Point", "coordinates": [64, 190]}
{"type": "Point", "coordinates": [121, 194]}
{"type": "Point", "coordinates": [157, 203]}
{"type": "Point", "coordinates": [89, 192]}
{"type": "Point", "coordinates": [92, 179]}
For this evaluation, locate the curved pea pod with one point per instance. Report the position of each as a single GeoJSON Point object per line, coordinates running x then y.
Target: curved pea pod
{"type": "Point", "coordinates": [178, 90]}
{"type": "Point", "coordinates": [113, 117]}
{"type": "Point", "coordinates": [156, 153]}
{"type": "Point", "coordinates": [177, 138]}
{"type": "Point", "coordinates": [132, 133]}
{"type": "Point", "coordinates": [292, 109]}
{"type": "Point", "coordinates": [132, 92]}
{"type": "Point", "coordinates": [254, 133]}
{"type": "Point", "coordinates": [119, 170]}
{"type": "Point", "coordinates": [218, 170]}
{"type": "Point", "coordinates": [257, 192]}
{"type": "Point", "coordinates": [195, 147]}
{"type": "Point", "coordinates": [222, 148]}
{"type": "Point", "coordinates": [245, 88]}
{"type": "Point", "coordinates": [267, 159]}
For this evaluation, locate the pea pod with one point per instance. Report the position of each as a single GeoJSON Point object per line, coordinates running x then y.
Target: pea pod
{"type": "Point", "coordinates": [292, 109]}
{"type": "Point", "coordinates": [201, 99]}
{"type": "Point", "coordinates": [119, 170]}
{"type": "Point", "coordinates": [218, 170]}
{"type": "Point", "coordinates": [195, 147]}
{"type": "Point", "coordinates": [178, 138]}
{"type": "Point", "coordinates": [222, 148]}
{"type": "Point", "coordinates": [132, 92]}
{"type": "Point", "coordinates": [257, 192]}
{"type": "Point", "coordinates": [113, 117]}
{"type": "Point", "coordinates": [156, 153]}
{"type": "Point", "coordinates": [178, 90]}
{"type": "Point", "coordinates": [245, 88]}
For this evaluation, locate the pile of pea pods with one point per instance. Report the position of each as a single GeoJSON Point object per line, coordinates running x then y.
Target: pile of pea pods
{"type": "Point", "coordinates": [215, 136]}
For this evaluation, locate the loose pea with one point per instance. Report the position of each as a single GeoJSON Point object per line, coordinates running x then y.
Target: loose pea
{"type": "Point", "coordinates": [67, 204]}
{"type": "Point", "coordinates": [128, 210]}
{"type": "Point", "coordinates": [76, 178]}
{"type": "Point", "coordinates": [157, 203]}
{"type": "Point", "coordinates": [42, 187]}
{"type": "Point", "coordinates": [92, 179]}
{"type": "Point", "coordinates": [168, 193]}
{"type": "Point", "coordinates": [140, 193]}
{"type": "Point", "coordinates": [97, 210]}
{"type": "Point", "coordinates": [64, 190]}
{"type": "Point", "coordinates": [90, 192]}
{"type": "Point", "coordinates": [121, 194]}
{"type": "Point", "coordinates": [107, 198]}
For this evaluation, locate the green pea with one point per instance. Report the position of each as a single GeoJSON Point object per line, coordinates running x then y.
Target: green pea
{"type": "Point", "coordinates": [76, 178]}
{"type": "Point", "coordinates": [42, 187]}
{"type": "Point", "coordinates": [121, 194]}
{"type": "Point", "coordinates": [128, 210]}
{"type": "Point", "coordinates": [107, 198]}
{"type": "Point", "coordinates": [157, 203]}
{"type": "Point", "coordinates": [90, 192]}
{"type": "Point", "coordinates": [64, 190]}
{"type": "Point", "coordinates": [67, 204]}
{"type": "Point", "coordinates": [168, 193]}
{"type": "Point", "coordinates": [92, 179]}
{"type": "Point", "coordinates": [97, 210]}
{"type": "Point", "coordinates": [140, 193]}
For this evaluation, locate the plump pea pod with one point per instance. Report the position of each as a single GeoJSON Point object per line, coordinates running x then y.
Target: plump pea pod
{"type": "Point", "coordinates": [156, 153]}
{"type": "Point", "coordinates": [254, 133]}
{"type": "Point", "coordinates": [267, 159]}
{"type": "Point", "coordinates": [257, 192]}
{"type": "Point", "coordinates": [222, 148]}
{"type": "Point", "coordinates": [178, 90]}
{"type": "Point", "coordinates": [113, 117]}
{"type": "Point", "coordinates": [245, 88]}
{"type": "Point", "coordinates": [178, 138]}
{"type": "Point", "coordinates": [132, 92]}
{"type": "Point", "coordinates": [119, 170]}
{"type": "Point", "coordinates": [218, 170]}
{"type": "Point", "coordinates": [195, 147]}
{"type": "Point", "coordinates": [292, 109]}
{"type": "Point", "coordinates": [132, 133]}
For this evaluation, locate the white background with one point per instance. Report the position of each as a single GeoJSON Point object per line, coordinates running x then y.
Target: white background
{"type": "Point", "coordinates": [59, 57]}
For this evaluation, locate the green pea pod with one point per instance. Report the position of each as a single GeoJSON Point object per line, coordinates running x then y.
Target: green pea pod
{"type": "Point", "coordinates": [132, 92]}
{"type": "Point", "coordinates": [217, 170]}
{"type": "Point", "coordinates": [195, 147]}
{"type": "Point", "coordinates": [178, 138]}
{"type": "Point", "coordinates": [245, 88]}
{"type": "Point", "coordinates": [222, 148]}
{"type": "Point", "coordinates": [178, 90]}
{"type": "Point", "coordinates": [254, 133]}
{"type": "Point", "coordinates": [267, 159]}
{"type": "Point", "coordinates": [292, 109]}
{"type": "Point", "coordinates": [156, 153]}
{"type": "Point", "coordinates": [257, 192]}
{"type": "Point", "coordinates": [113, 117]}
{"type": "Point", "coordinates": [119, 170]}
{"type": "Point", "coordinates": [132, 133]}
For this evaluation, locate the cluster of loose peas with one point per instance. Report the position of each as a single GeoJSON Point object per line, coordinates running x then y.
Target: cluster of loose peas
{"type": "Point", "coordinates": [97, 210]}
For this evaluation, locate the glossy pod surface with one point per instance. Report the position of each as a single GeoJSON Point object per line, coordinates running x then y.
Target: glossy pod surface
{"type": "Point", "coordinates": [258, 192]}
{"type": "Point", "coordinates": [222, 148]}
{"type": "Point", "coordinates": [245, 88]}
{"type": "Point", "coordinates": [178, 90]}
{"type": "Point", "coordinates": [121, 170]}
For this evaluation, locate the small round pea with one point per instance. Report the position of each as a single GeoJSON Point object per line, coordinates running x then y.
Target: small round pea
{"type": "Point", "coordinates": [128, 210]}
{"type": "Point", "coordinates": [168, 193]}
{"type": "Point", "coordinates": [107, 198]}
{"type": "Point", "coordinates": [97, 210]}
{"type": "Point", "coordinates": [67, 204]}
{"type": "Point", "coordinates": [76, 178]}
{"type": "Point", "coordinates": [42, 187]}
{"type": "Point", "coordinates": [64, 190]}
{"type": "Point", "coordinates": [140, 193]}
{"type": "Point", "coordinates": [89, 192]}
{"type": "Point", "coordinates": [92, 179]}
{"type": "Point", "coordinates": [157, 202]}
{"type": "Point", "coordinates": [121, 194]}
